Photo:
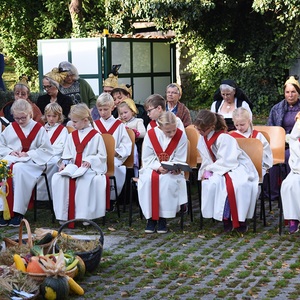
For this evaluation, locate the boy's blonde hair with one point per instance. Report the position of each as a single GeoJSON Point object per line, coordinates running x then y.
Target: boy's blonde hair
{"type": "Point", "coordinates": [55, 109]}
{"type": "Point", "coordinates": [22, 106]}
{"type": "Point", "coordinates": [81, 111]}
{"type": "Point", "coordinates": [167, 118]}
{"type": "Point", "coordinates": [105, 99]}
{"type": "Point", "coordinates": [242, 113]}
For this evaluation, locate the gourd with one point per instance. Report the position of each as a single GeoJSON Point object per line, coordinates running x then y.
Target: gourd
{"type": "Point", "coordinates": [75, 287]}
{"type": "Point", "coordinates": [19, 263]}
{"type": "Point", "coordinates": [55, 288]}
{"type": "Point", "coordinates": [81, 269]}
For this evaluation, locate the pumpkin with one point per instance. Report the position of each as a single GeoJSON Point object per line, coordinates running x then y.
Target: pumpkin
{"type": "Point", "coordinates": [80, 268]}
{"type": "Point", "coordinates": [55, 288]}
{"type": "Point", "coordinates": [34, 266]}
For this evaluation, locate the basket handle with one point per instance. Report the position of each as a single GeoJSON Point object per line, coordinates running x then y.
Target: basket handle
{"type": "Point", "coordinates": [83, 220]}
{"type": "Point", "coordinates": [29, 241]}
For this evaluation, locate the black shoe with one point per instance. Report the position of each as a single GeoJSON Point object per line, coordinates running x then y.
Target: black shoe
{"type": "Point", "coordinates": [162, 226]}
{"type": "Point", "coordinates": [15, 221]}
{"type": "Point", "coordinates": [113, 206]}
{"type": "Point", "coordinates": [243, 227]}
{"type": "Point", "coordinates": [3, 222]}
{"type": "Point", "coordinates": [227, 225]}
{"type": "Point", "coordinates": [151, 225]}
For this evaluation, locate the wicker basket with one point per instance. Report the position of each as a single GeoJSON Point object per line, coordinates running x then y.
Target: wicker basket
{"type": "Point", "coordinates": [28, 241]}
{"type": "Point", "coordinates": [91, 258]}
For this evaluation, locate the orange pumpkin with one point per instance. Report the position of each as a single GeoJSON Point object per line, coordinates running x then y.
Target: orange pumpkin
{"type": "Point", "coordinates": [34, 267]}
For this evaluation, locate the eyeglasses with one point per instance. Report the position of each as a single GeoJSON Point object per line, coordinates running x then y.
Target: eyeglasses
{"type": "Point", "coordinates": [172, 93]}
{"type": "Point", "coordinates": [21, 119]}
{"type": "Point", "coordinates": [149, 110]}
{"type": "Point", "coordinates": [46, 87]}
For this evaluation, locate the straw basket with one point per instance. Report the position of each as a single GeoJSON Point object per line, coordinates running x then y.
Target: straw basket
{"type": "Point", "coordinates": [91, 258]}
{"type": "Point", "coordinates": [28, 241]}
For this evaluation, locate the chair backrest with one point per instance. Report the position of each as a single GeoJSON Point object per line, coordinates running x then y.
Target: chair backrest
{"type": "Point", "coordinates": [70, 129]}
{"type": "Point", "coordinates": [188, 160]}
{"type": "Point", "coordinates": [277, 141]}
{"type": "Point", "coordinates": [130, 159]}
{"type": "Point", "coordinates": [109, 142]}
{"type": "Point", "coordinates": [266, 135]}
{"type": "Point", "coordinates": [254, 149]}
{"type": "Point", "coordinates": [193, 136]}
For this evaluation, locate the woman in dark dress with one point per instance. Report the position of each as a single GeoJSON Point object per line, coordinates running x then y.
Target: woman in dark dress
{"type": "Point", "coordinates": [51, 83]}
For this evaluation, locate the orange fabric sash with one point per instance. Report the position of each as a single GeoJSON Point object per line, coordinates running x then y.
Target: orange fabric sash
{"type": "Point", "coordinates": [229, 184]}
{"type": "Point", "coordinates": [163, 156]}
{"type": "Point", "coordinates": [78, 161]}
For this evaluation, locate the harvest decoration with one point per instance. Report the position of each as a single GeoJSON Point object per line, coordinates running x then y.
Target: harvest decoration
{"type": "Point", "coordinates": [5, 172]}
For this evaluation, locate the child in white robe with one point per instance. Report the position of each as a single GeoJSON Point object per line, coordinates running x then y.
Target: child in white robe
{"type": "Point", "coordinates": [85, 196]}
{"type": "Point", "coordinates": [25, 140]}
{"type": "Point", "coordinates": [155, 105]}
{"type": "Point", "coordinates": [108, 124]}
{"type": "Point", "coordinates": [53, 118]}
{"type": "Point", "coordinates": [290, 187]}
{"type": "Point", "coordinates": [162, 192]}
{"type": "Point", "coordinates": [127, 113]}
{"type": "Point", "coordinates": [244, 129]}
{"type": "Point", "coordinates": [228, 177]}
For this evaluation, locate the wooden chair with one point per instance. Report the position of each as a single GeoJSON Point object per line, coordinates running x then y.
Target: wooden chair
{"type": "Point", "coordinates": [193, 136]}
{"type": "Point", "coordinates": [129, 163]}
{"type": "Point", "coordinates": [277, 144]}
{"type": "Point", "coordinates": [254, 149]}
{"type": "Point", "coordinates": [109, 142]}
{"type": "Point", "coordinates": [70, 129]}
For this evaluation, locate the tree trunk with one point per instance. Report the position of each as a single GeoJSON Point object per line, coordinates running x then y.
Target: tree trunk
{"type": "Point", "coordinates": [75, 9]}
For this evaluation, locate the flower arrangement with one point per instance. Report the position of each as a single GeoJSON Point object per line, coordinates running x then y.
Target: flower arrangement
{"type": "Point", "coordinates": [5, 171]}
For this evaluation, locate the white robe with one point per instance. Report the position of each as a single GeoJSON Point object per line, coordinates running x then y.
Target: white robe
{"type": "Point", "coordinates": [290, 187]}
{"type": "Point", "coordinates": [172, 188]}
{"type": "Point", "coordinates": [58, 147]}
{"type": "Point", "coordinates": [122, 147]}
{"type": "Point", "coordinates": [90, 193]}
{"type": "Point", "coordinates": [229, 158]}
{"type": "Point", "coordinates": [26, 174]}
{"type": "Point", "coordinates": [267, 152]}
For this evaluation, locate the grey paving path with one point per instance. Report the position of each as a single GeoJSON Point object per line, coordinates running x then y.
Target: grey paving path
{"type": "Point", "coordinates": [192, 264]}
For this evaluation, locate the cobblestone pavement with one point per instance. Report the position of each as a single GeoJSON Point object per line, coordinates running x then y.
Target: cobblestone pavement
{"type": "Point", "coordinates": [193, 263]}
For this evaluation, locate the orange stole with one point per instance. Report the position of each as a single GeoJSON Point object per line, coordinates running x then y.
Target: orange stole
{"type": "Point", "coordinates": [229, 184]}
{"type": "Point", "coordinates": [26, 143]}
{"type": "Point", "coordinates": [162, 156]}
{"type": "Point", "coordinates": [78, 161]}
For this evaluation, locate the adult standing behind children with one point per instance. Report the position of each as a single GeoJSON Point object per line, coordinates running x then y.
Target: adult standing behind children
{"type": "Point", "coordinates": [21, 91]}
{"type": "Point", "coordinates": [162, 192]}
{"type": "Point", "coordinates": [155, 105]}
{"type": "Point", "coordinates": [108, 124]}
{"type": "Point", "coordinates": [27, 143]}
{"type": "Point", "coordinates": [74, 86]}
{"type": "Point", "coordinates": [283, 114]}
{"type": "Point", "coordinates": [228, 177]}
{"type": "Point", "coordinates": [227, 98]}
{"type": "Point", "coordinates": [85, 196]}
{"type": "Point", "coordinates": [51, 82]}
{"type": "Point", "coordinates": [173, 95]}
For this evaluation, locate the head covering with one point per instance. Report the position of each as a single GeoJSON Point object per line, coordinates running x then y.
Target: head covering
{"type": "Point", "coordinates": [131, 105]}
{"type": "Point", "coordinates": [126, 87]}
{"type": "Point", "coordinates": [179, 88]}
{"type": "Point", "coordinates": [239, 93]}
{"type": "Point", "coordinates": [57, 76]}
{"type": "Point", "coordinates": [292, 80]}
{"type": "Point", "coordinates": [23, 80]}
{"type": "Point", "coordinates": [112, 79]}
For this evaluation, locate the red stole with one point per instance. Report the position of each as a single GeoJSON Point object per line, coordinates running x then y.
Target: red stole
{"type": "Point", "coordinates": [111, 130]}
{"type": "Point", "coordinates": [229, 184]}
{"type": "Point", "coordinates": [153, 123]}
{"type": "Point", "coordinates": [56, 133]}
{"type": "Point", "coordinates": [240, 136]}
{"type": "Point", "coordinates": [78, 161]}
{"type": "Point", "coordinates": [26, 143]}
{"type": "Point", "coordinates": [162, 156]}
